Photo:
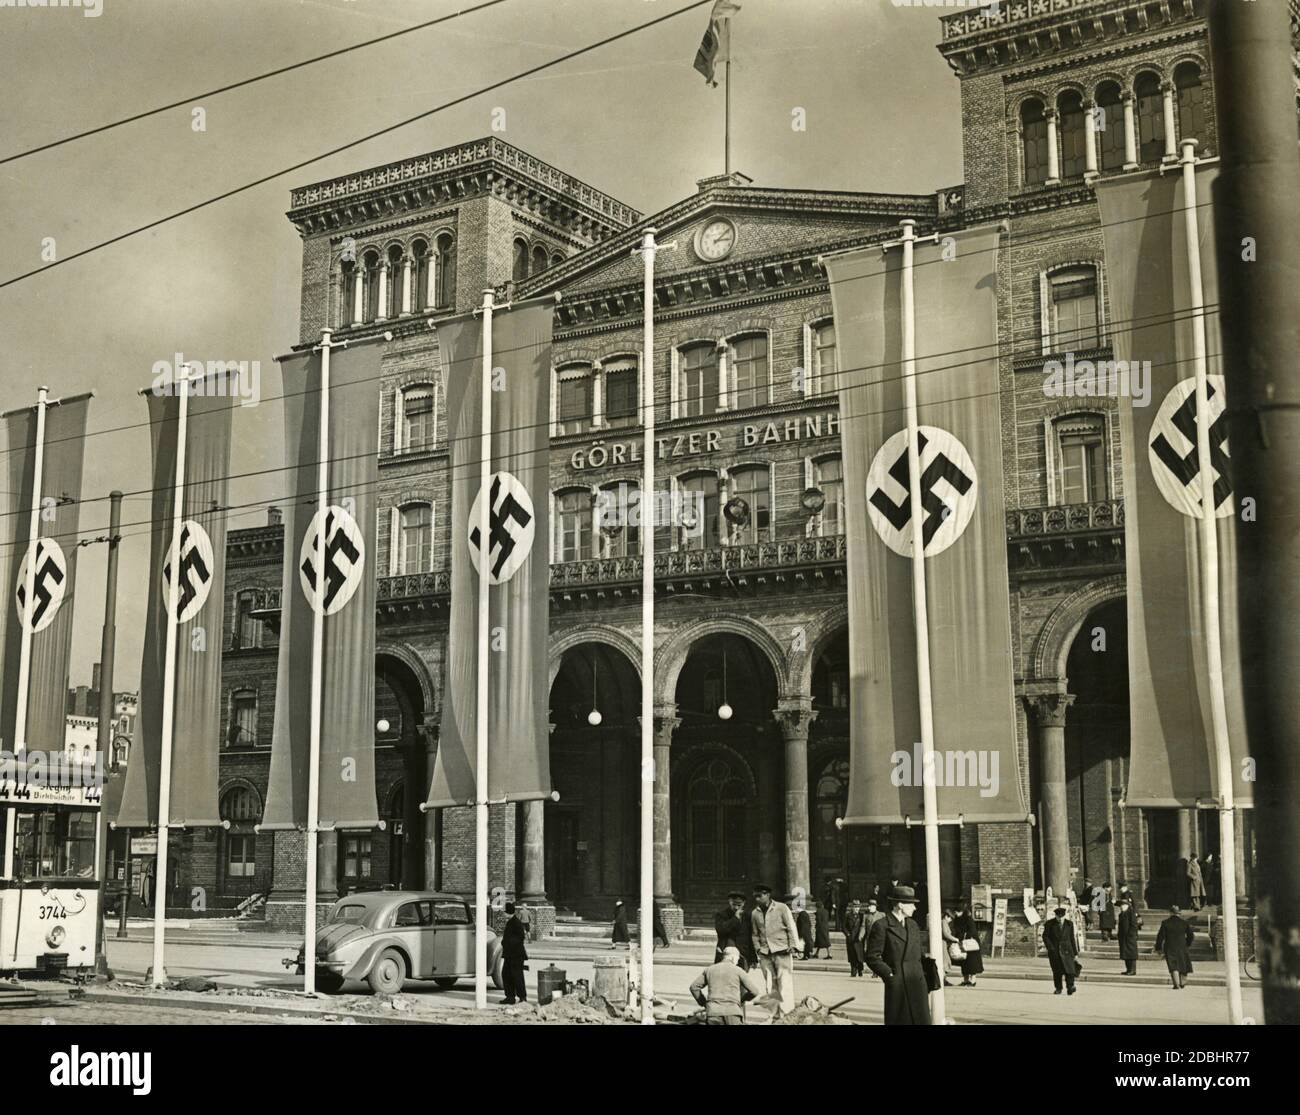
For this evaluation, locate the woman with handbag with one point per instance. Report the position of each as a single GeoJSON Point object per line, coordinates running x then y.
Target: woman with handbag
{"type": "Point", "coordinates": [967, 934]}
{"type": "Point", "coordinates": [951, 946]}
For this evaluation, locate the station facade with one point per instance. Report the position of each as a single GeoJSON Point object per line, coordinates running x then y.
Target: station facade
{"type": "Point", "coordinates": [751, 616]}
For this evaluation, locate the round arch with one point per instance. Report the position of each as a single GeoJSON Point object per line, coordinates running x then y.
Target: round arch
{"type": "Point", "coordinates": [410, 659]}
{"type": "Point", "coordinates": [602, 633]}
{"type": "Point", "coordinates": [818, 636]}
{"type": "Point", "coordinates": [671, 657]}
{"type": "Point", "coordinates": [1052, 647]}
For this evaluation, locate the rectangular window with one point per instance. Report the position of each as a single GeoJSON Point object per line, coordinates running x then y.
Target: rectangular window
{"type": "Point", "coordinates": [246, 627]}
{"type": "Point", "coordinates": [1081, 461]}
{"type": "Point", "coordinates": [828, 476]}
{"type": "Point", "coordinates": [621, 395]}
{"type": "Point", "coordinates": [749, 372]}
{"type": "Point", "coordinates": [618, 513]}
{"type": "Point", "coordinates": [241, 855]}
{"type": "Point", "coordinates": [417, 421]}
{"type": "Point", "coordinates": [356, 857]}
{"type": "Point", "coordinates": [699, 372]}
{"type": "Point", "coordinates": [50, 844]}
{"type": "Point", "coordinates": [573, 515]}
{"type": "Point", "coordinates": [1073, 310]}
{"type": "Point", "coordinates": [753, 486]}
{"type": "Point", "coordinates": [825, 360]}
{"type": "Point", "coordinates": [243, 720]}
{"type": "Point", "coordinates": [417, 538]}
{"type": "Point", "coordinates": [699, 512]}
{"type": "Point", "coordinates": [574, 410]}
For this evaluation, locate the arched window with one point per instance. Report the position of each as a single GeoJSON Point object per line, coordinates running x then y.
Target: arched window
{"type": "Point", "coordinates": [1191, 101]}
{"type": "Point", "coordinates": [618, 517]}
{"type": "Point", "coordinates": [1033, 141]}
{"type": "Point", "coordinates": [242, 728]}
{"type": "Point", "coordinates": [621, 386]}
{"type": "Point", "coordinates": [415, 528]}
{"type": "Point", "coordinates": [351, 276]}
{"type": "Point", "coordinates": [753, 484]}
{"type": "Point", "coordinates": [420, 276]}
{"type": "Point", "coordinates": [830, 681]}
{"type": "Point", "coordinates": [371, 306]}
{"type": "Point", "coordinates": [828, 476]}
{"type": "Point", "coordinates": [396, 281]}
{"type": "Point", "coordinates": [573, 525]}
{"type": "Point", "coordinates": [717, 799]}
{"type": "Point", "coordinates": [1073, 321]}
{"type": "Point", "coordinates": [444, 262]}
{"type": "Point", "coordinates": [519, 262]}
{"type": "Point", "coordinates": [699, 382]}
{"type": "Point", "coordinates": [1073, 140]}
{"type": "Point", "coordinates": [240, 806]}
{"type": "Point", "coordinates": [539, 260]}
{"type": "Point", "coordinates": [1150, 118]}
{"type": "Point", "coordinates": [573, 404]}
{"type": "Point", "coordinates": [1079, 449]}
{"type": "Point", "coordinates": [415, 418]}
{"type": "Point", "coordinates": [1110, 125]}
{"type": "Point", "coordinates": [699, 515]}
{"type": "Point", "coordinates": [557, 259]}
{"type": "Point", "coordinates": [748, 372]}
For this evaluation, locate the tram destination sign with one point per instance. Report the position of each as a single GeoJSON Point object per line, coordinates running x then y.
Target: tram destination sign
{"type": "Point", "coordinates": [35, 778]}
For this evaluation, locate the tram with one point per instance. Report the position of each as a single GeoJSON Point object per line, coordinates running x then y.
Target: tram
{"type": "Point", "coordinates": [49, 890]}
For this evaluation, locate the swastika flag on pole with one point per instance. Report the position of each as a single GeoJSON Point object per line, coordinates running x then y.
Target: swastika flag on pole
{"type": "Point", "coordinates": [344, 538]}
{"type": "Point", "coordinates": [518, 558]}
{"type": "Point", "coordinates": [1172, 761]}
{"type": "Point", "coordinates": [977, 771]}
{"type": "Point", "coordinates": [50, 617]}
{"type": "Point", "coordinates": [200, 615]}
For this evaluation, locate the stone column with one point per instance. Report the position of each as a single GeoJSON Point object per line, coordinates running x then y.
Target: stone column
{"type": "Point", "coordinates": [1171, 124]}
{"type": "Point", "coordinates": [1053, 149]}
{"type": "Point", "coordinates": [1089, 141]}
{"type": "Point", "coordinates": [795, 715]}
{"type": "Point", "coordinates": [358, 294]}
{"type": "Point", "coordinates": [666, 722]}
{"type": "Point", "coordinates": [1130, 135]}
{"type": "Point", "coordinates": [382, 312]}
{"type": "Point", "coordinates": [540, 908]}
{"type": "Point", "coordinates": [1049, 713]}
{"type": "Point", "coordinates": [431, 286]}
{"type": "Point", "coordinates": [406, 285]}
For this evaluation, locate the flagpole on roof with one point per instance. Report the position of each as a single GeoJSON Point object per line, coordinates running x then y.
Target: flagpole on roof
{"type": "Point", "coordinates": [1210, 591]}
{"type": "Point", "coordinates": [934, 893]}
{"type": "Point", "coordinates": [180, 384]}
{"type": "Point", "coordinates": [481, 704]}
{"type": "Point", "coordinates": [317, 657]}
{"type": "Point", "coordinates": [29, 593]}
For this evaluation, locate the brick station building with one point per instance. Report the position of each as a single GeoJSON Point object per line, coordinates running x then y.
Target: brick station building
{"type": "Point", "coordinates": [749, 616]}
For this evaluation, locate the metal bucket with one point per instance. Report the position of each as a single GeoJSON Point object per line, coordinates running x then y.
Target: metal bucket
{"type": "Point", "coordinates": [609, 980]}
{"type": "Point", "coordinates": [549, 981]}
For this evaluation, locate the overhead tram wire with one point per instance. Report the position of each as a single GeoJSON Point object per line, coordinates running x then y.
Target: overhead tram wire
{"type": "Point", "coordinates": [446, 445]}
{"type": "Point", "coordinates": [354, 143]}
{"type": "Point", "coordinates": [514, 458]}
{"type": "Point", "coordinates": [247, 81]}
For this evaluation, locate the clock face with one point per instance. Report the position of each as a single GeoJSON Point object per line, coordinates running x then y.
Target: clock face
{"type": "Point", "coordinates": [715, 240]}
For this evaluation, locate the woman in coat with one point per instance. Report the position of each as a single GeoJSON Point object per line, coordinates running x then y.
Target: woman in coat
{"type": "Point", "coordinates": [1129, 924]}
{"type": "Point", "coordinates": [949, 940]}
{"type": "Point", "coordinates": [1106, 913]}
{"type": "Point", "coordinates": [1195, 882]}
{"type": "Point", "coordinates": [972, 963]}
{"type": "Point", "coordinates": [803, 923]}
{"type": "Point", "coordinates": [822, 932]}
{"type": "Point", "coordinates": [620, 935]}
{"type": "Point", "coordinates": [1173, 940]}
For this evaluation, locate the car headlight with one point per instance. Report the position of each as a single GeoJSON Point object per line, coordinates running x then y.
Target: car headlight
{"type": "Point", "coordinates": [54, 938]}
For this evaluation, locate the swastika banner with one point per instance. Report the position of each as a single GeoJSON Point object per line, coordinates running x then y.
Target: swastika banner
{"type": "Point", "coordinates": [517, 555]}
{"type": "Point", "coordinates": [976, 769]}
{"type": "Point", "coordinates": [50, 614]}
{"type": "Point", "coordinates": [343, 538]}
{"type": "Point", "coordinates": [1172, 761]}
{"type": "Point", "coordinates": [200, 614]}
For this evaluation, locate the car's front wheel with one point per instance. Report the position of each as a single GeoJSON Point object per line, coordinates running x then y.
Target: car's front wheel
{"type": "Point", "coordinates": [388, 973]}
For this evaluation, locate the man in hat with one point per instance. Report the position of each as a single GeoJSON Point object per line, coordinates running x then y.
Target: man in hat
{"type": "Point", "coordinates": [729, 985]}
{"type": "Point", "coordinates": [1129, 924]}
{"type": "Point", "coordinates": [894, 952]}
{"type": "Point", "coordinates": [853, 940]}
{"type": "Point", "coordinates": [1058, 940]}
{"type": "Point", "coordinates": [733, 927]}
{"type": "Point", "coordinates": [775, 940]}
{"type": "Point", "coordinates": [872, 914]}
{"type": "Point", "coordinates": [513, 955]}
{"type": "Point", "coordinates": [1173, 940]}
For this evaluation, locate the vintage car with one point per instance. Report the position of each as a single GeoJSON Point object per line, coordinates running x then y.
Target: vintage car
{"type": "Point", "coordinates": [387, 937]}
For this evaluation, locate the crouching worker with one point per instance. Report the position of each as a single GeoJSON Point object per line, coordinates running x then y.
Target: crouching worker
{"type": "Point", "coordinates": [729, 986]}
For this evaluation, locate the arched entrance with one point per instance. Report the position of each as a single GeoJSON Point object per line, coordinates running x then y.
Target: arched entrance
{"type": "Point", "coordinates": [592, 833]}
{"type": "Point", "coordinates": [727, 814]}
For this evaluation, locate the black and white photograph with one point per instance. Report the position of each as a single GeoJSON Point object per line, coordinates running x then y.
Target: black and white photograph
{"type": "Point", "coordinates": [538, 514]}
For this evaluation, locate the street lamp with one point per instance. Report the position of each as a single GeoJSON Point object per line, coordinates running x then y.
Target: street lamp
{"type": "Point", "coordinates": [724, 709]}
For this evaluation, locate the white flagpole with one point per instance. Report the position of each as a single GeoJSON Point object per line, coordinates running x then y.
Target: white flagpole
{"type": "Point", "coordinates": [934, 894]}
{"type": "Point", "coordinates": [317, 664]}
{"type": "Point", "coordinates": [29, 591]}
{"type": "Point", "coordinates": [481, 712]}
{"type": "Point", "coordinates": [1210, 592]}
{"type": "Point", "coordinates": [181, 383]}
{"type": "Point", "coordinates": [647, 535]}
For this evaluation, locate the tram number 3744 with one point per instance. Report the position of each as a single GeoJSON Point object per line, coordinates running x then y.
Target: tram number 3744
{"type": "Point", "coordinates": [52, 911]}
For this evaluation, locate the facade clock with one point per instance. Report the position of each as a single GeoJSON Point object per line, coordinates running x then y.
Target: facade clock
{"type": "Point", "coordinates": [715, 240]}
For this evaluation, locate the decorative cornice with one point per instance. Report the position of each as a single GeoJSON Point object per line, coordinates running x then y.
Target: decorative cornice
{"type": "Point", "coordinates": [1077, 538]}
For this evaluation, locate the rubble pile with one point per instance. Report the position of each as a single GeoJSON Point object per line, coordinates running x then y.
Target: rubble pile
{"type": "Point", "coordinates": [811, 1012]}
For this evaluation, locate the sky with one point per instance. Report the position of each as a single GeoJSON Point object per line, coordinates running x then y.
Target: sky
{"type": "Point", "coordinates": [633, 119]}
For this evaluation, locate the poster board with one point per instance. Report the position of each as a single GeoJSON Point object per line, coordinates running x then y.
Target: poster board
{"type": "Point", "coordinates": [981, 901]}
{"type": "Point", "coordinates": [999, 927]}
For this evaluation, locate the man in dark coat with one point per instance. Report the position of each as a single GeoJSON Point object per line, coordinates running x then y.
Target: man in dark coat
{"type": "Point", "coordinates": [1129, 924]}
{"type": "Point", "coordinates": [733, 928]}
{"type": "Point", "coordinates": [803, 923]}
{"type": "Point", "coordinates": [853, 934]}
{"type": "Point", "coordinates": [513, 955]}
{"type": "Point", "coordinates": [619, 936]}
{"type": "Point", "coordinates": [894, 952]}
{"type": "Point", "coordinates": [1058, 940]}
{"type": "Point", "coordinates": [1106, 913]}
{"type": "Point", "coordinates": [1173, 940]}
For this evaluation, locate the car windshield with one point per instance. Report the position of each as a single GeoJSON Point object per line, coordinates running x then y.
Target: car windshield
{"type": "Point", "coordinates": [353, 911]}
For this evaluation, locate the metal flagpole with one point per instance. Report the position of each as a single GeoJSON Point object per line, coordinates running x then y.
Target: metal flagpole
{"type": "Point", "coordinates": [726, 161]}
{"type": "Point", "coordinates": [317, 665]}
{"type": "Point", "coordinates": [104, 727]}
{"type": "Point", "coordinates": [180, 383]}
{"type": "Point", "coordinates": [648, 517]}
{"type": "Point", "coordinates": [933, 895]}
{"type": "Point", "coordinates": [29, 593]}
{"type": "Point", "coordinates": [481, 711]}
{"type": "Point", "coordinates": [1210, 592]}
